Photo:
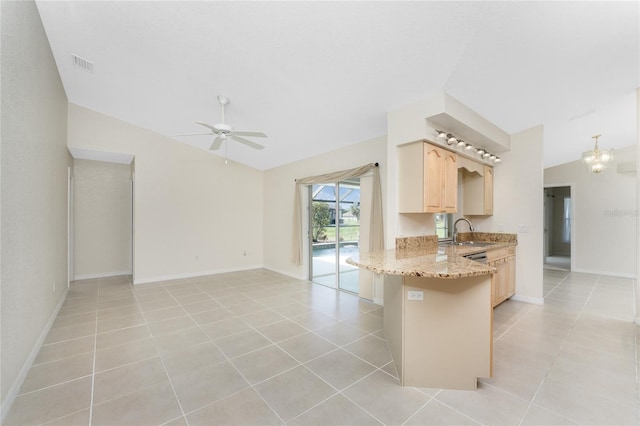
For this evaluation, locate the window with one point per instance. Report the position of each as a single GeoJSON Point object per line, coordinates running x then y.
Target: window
{"type": "Point", "coordinates": [443, 225]}
{"type": "Point", "coordinates": [566, 221]}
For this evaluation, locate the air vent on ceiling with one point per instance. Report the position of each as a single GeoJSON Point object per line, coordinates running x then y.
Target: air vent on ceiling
{"type": "Point", "coordinates": [82, 63]}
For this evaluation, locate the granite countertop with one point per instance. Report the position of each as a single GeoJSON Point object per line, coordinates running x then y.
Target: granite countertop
{"type": "Point", "coordinates": [415, 256]}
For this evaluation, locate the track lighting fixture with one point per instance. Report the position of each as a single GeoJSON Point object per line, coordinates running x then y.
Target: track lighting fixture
{"type": "Point", "coordinates": [451, 140]}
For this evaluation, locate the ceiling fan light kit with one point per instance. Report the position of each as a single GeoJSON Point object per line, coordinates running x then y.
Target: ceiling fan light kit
{"type": "Point", "coordinates": [223, 132]}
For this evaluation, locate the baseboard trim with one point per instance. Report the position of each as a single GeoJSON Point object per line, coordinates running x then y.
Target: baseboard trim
{"type": "Point", "coordinates": [12, 394]}
{"type": "Point", "coordinates": [606, 274]}
{"type": "Point", "coordinates": [101, 275]}
{"type": "Point", "coordinates": [193, 274]}
{"type": "Point", "coordinates": [528, 299]}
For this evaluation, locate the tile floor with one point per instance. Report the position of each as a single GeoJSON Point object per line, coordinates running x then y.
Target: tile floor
{"type": "Point", "coordinates": [258, 348]}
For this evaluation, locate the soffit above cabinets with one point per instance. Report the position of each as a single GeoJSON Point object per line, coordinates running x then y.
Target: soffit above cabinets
{"type": "Point", "coordinates": [448, 114]}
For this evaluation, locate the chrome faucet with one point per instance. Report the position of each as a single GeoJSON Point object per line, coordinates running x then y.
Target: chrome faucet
{"type": "Point", "coordinates": [455, 229]}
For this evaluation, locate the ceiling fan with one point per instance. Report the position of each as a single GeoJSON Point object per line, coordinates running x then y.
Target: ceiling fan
{"type": "Point", "coordinates": [224, 131]}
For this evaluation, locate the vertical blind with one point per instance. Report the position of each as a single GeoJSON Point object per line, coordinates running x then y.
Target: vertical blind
{"type": "Point", "coordinates": [376, 237]}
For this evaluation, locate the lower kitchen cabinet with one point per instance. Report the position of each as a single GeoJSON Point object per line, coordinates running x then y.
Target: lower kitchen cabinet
{"type": "Point", "coordinates": [503, 282]}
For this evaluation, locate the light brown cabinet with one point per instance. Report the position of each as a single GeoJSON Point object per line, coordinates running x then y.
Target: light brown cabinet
{"type": "Point", "coordinates": [478, 191]}
{"type": "Point", "coordinates": [503, 282]}
{"type": "Point", "coordinates": [428, 179]}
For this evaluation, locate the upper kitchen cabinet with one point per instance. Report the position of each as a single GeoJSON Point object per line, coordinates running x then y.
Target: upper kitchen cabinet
{"type": "Point", "coordinates": [428, 179]}
{"type": "Point", "coordinates": [477, 189]}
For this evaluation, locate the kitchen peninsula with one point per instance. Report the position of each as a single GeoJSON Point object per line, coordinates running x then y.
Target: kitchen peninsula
{"type": "Point", "coordinates": [437, 309]}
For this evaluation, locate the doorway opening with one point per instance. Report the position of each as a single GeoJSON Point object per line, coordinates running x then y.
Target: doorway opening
{"type": "Point", "coordinates": [558, 227]}
{"type": "Point", "coordinates": [334, 224]}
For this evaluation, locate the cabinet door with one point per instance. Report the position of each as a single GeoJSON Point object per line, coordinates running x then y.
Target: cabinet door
{"type": "Point", "coordinates": [450, 183]}
{"type": "Point", "coordinates": [488, 190]}
{"type": "Point", "coordinates": [433, 184]}
{"type": "Point", "coordinates": [502, 277]}
{"type": "Point", "coordinates": [511, 277]}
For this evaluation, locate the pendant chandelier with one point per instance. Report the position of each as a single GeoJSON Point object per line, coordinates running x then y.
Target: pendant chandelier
{"type": "Point", "coordinates": [596, 159]}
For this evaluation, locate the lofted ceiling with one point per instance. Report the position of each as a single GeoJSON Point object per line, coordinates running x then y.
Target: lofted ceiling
{"type": "Point", "coordinates": [317, 76]}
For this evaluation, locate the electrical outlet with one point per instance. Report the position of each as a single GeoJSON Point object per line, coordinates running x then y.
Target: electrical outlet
{"type": "Point", "coordinates": [197, 258]}
{"type": "Point", "coordinates": [415, 295]}
{"type": "Point", "coordinates": [523, 229]}
{"type": "Point", "coordinates": [244, 252]}
{"type": "Point", "coordinates": [501, 227]}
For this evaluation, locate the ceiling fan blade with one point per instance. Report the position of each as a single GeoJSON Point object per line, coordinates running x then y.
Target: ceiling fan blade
{"type": "Point", "coordinates": [209, 126]}
{"type": "Point", "coordinates": [216, 143]}
{"type": "Point", "coordinates": [254, 134]}
{"type": "Point", "coordinates": [192, 134]}
{"type": "Point", "coordinates": [246, 142]}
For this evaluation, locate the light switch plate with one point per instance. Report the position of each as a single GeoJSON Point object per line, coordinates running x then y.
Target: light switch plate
{"type": "Point", "coordinates": [415, 295]}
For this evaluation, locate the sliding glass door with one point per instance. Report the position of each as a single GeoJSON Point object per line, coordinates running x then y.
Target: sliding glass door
{"type": "Point", "coordinates": [334, 223]}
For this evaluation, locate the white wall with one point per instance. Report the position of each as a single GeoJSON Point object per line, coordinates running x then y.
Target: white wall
{"type": "Point", "coordinates": [194, 215]}
{"type": "Point", "coordinates": [33, 190]}
{"type": "Point", "coordinates": [605, 211]}
{"type": "Point", "coordinates": [102, 213]}
{"type": "Point", "coordinates": [518, 200]}
{"type": "Point", "coordinates": [279, 190]}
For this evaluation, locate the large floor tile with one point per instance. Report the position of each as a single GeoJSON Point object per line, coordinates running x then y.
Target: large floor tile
{"type": "Point", "coordinates": [126, 379]}
{"type": "Point", "coordinates": [202, 387]}
{"type": "Point", "coordinates": [50, 403]}
{"type": "Point", "coordinates": [335, 411]}
{"type": "Point", "coordinates": [192, 358]}
{"type": "Point", "coordinates": [371, 349]}
{"type": "Point", "coordinates": [487, 405]}
{"type": "Point", "coordinates": [435, 413]}
{"type": "Point", "coordinates": [128, 353]}
{"type": "Point", "coordinates": [584, 406]}
{"type": "Point", "coordinates": [71, 332]}
{"type": "Point", "coordinates": [121, 337]}
{"type": "Point", "coordinates": [243, 408]}
{"type": "Point", "coordinates": [242, 343]}
{"type": "Point", "coordinates": [65, 349]}
{"type": "Point", "coordinates": [294, 392]}
{"type": "Point", "coordinates": [307, 346]}
{"type": "Point", "coordinates": [341, 333]}
{"type": "Point", "coordinates": [537, 416]}
{"type": "Point", "coordinates": [340, 368]}
{"type": "Point", "coordinates": [148, 406]}
{"type": "Point", "coordinates": [263, 364]}
{"type": "Point", "coordinates": [382, 396]}
{"type": "Point", "coordinates": [179, 340]}
{"type": "Point", "coordinates": [56, 372]}
{"type": "Point", "coordinates": [282, 330]}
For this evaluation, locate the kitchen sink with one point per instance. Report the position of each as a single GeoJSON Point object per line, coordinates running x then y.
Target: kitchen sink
{"type": "Point", "coordinates": [469, 243]}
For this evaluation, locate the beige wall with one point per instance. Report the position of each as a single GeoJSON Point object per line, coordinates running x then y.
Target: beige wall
{"type": "Point", "coordinates": [518, 200]}
{"type": "Point", "coordinates": [605, 214]}
{"type": "Point", "coordinates": [34, 191]}
{"type": "Point", "coordinates": [102, 213]}
{"type": "Point", "coordinates": [194, 215]}
{"type": "Point", "coordinates": [279, 191]}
